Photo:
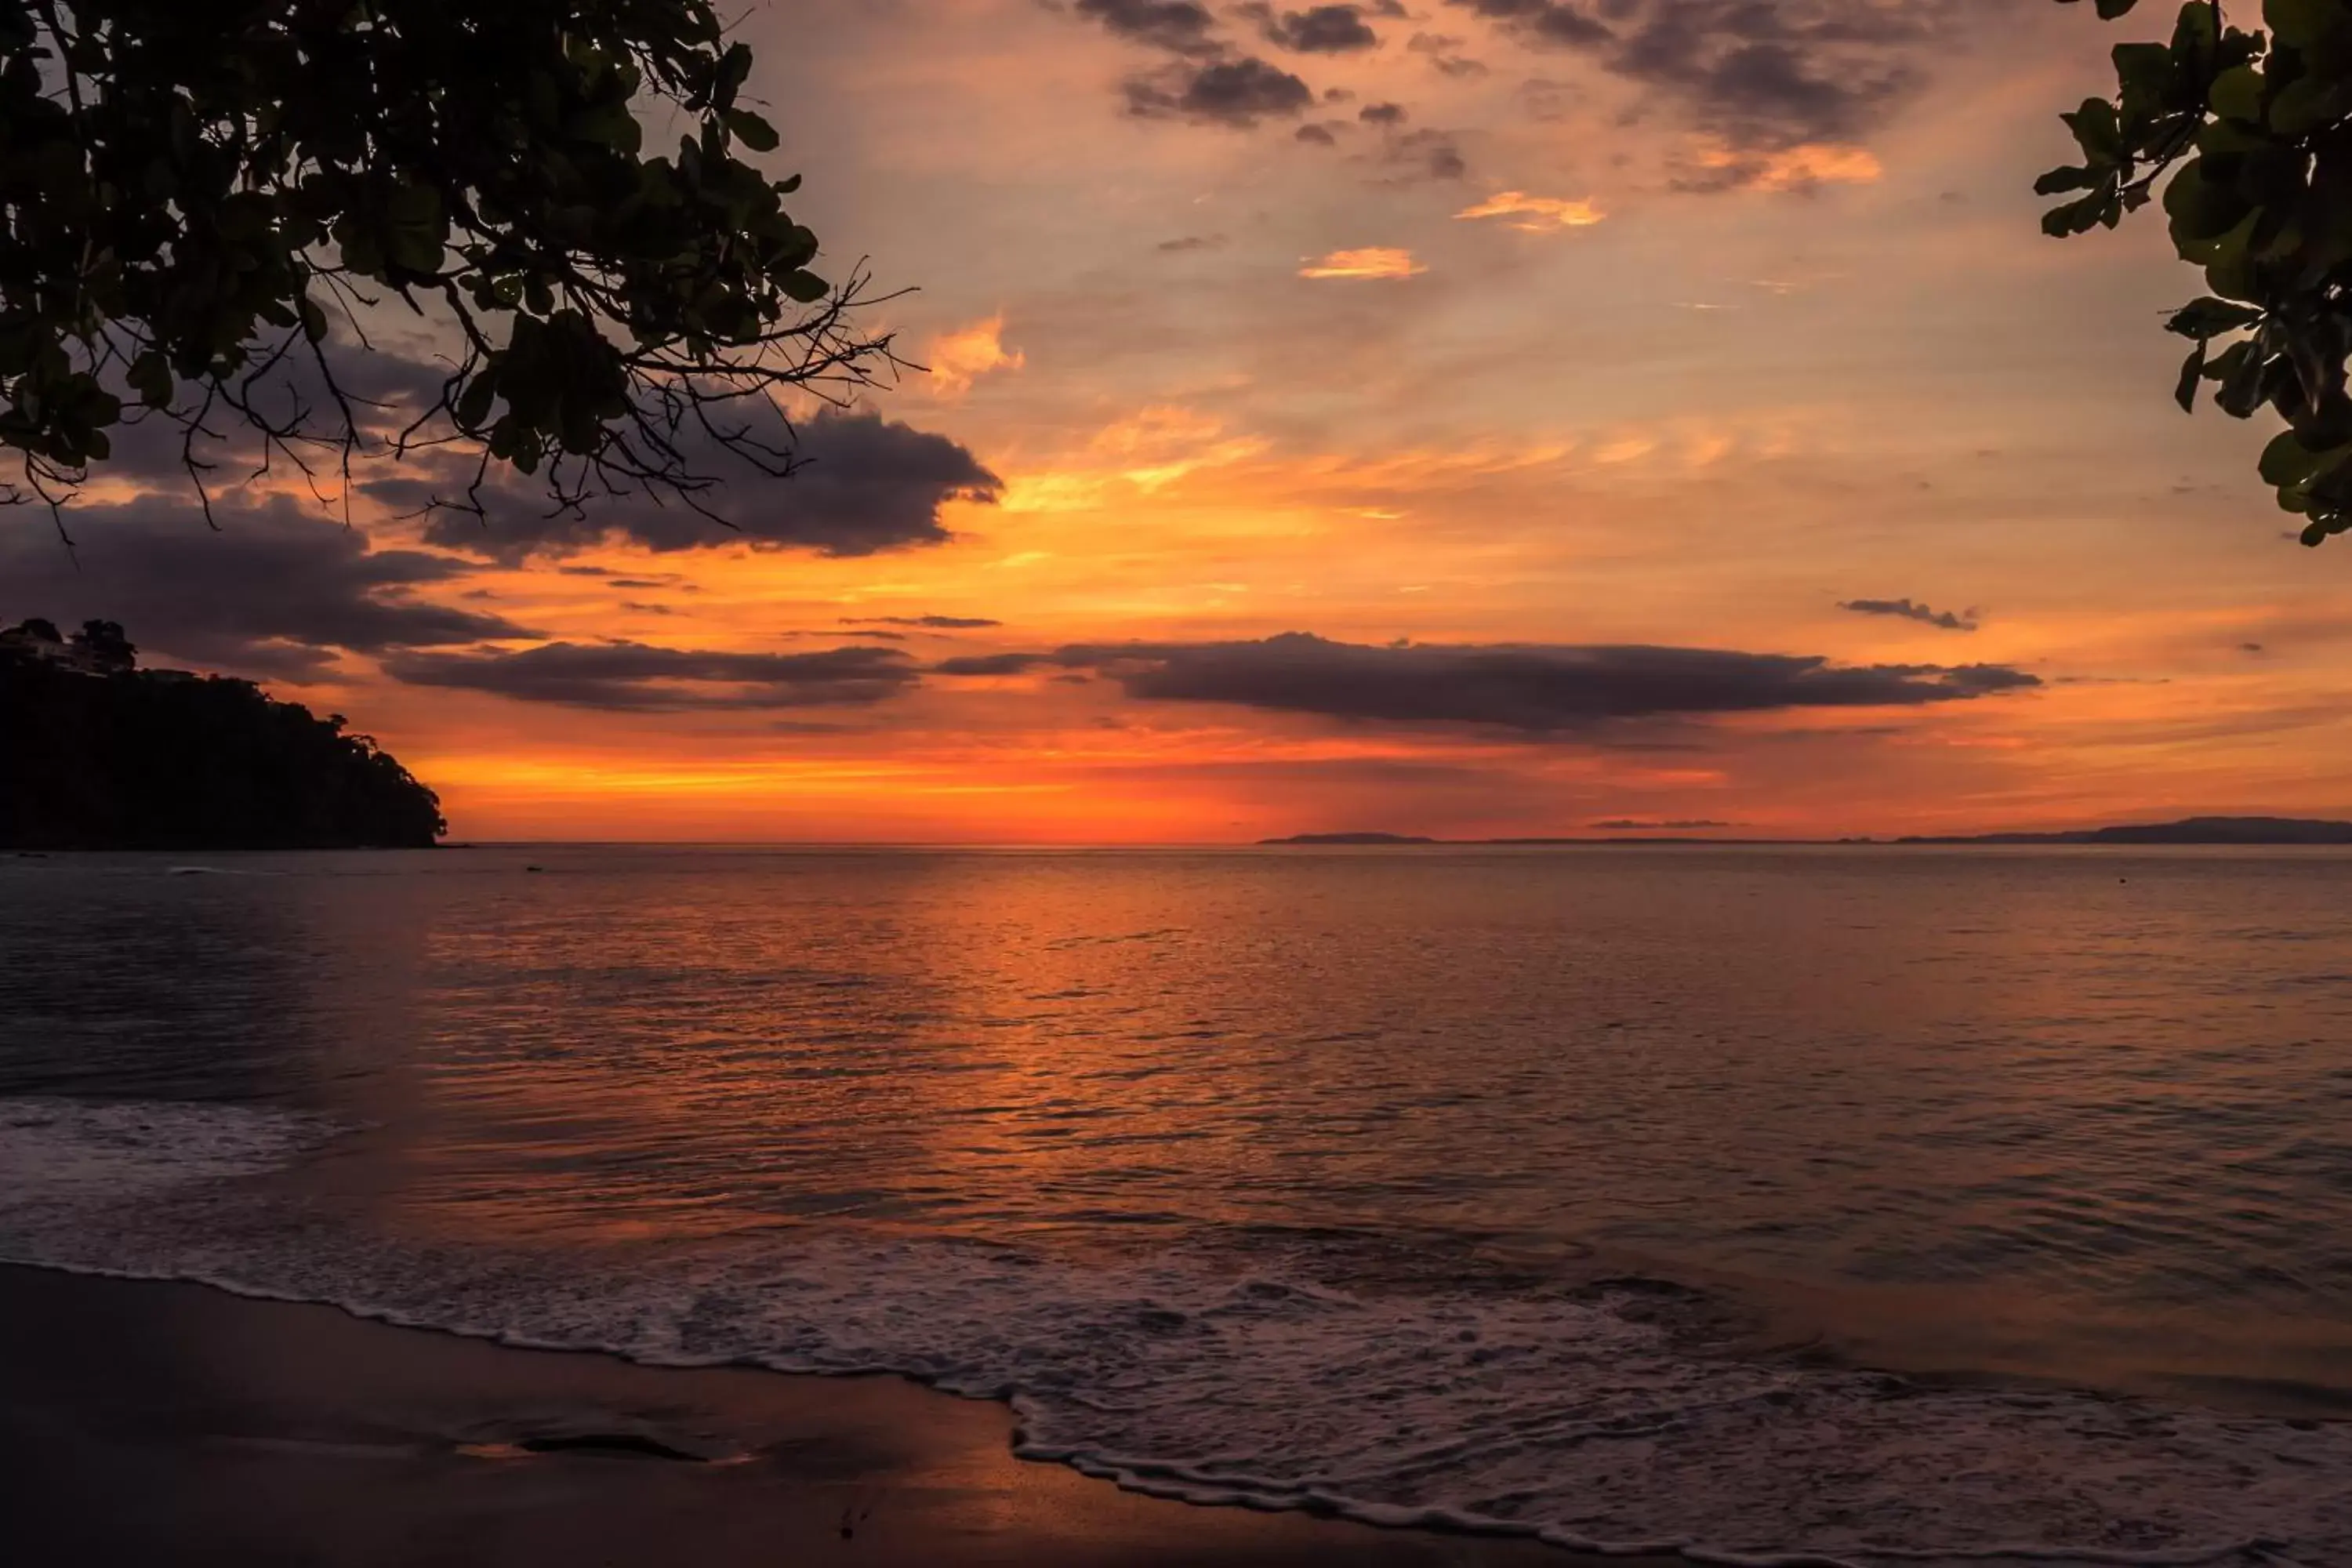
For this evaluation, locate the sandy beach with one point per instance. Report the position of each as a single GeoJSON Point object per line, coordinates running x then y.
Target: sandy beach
{"type": "Point", "coordinates": [166, 1423]}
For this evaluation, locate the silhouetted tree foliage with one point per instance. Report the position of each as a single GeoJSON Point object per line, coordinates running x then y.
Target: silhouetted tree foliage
{"type": "Point", "coordinates": [105, 646]}
{"type": "Point", "coordinates": [201, 200]}
{"type": "Point", "coordinates": [2254, 132]}
{"type": "Point", "coordinates": [163, 760]}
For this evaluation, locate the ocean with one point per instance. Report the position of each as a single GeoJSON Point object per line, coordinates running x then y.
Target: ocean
{"type": "Point", "coordinates": [1859, 1205]}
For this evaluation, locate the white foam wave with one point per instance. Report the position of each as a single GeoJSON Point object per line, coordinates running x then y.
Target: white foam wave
{"type": "Point", "coordinates": [1557, 1415]}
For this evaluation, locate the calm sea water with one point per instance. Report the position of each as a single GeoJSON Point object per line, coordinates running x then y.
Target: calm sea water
{"type": "Point", "coordinates": [1748, 1201]}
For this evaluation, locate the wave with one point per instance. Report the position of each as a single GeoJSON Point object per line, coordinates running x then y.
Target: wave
{"type": "Point", "coordinates": [1577, 1418]}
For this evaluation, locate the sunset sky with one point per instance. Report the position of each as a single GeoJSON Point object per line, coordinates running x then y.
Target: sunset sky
{"type": "Point", "coordinates": [1466, 418]}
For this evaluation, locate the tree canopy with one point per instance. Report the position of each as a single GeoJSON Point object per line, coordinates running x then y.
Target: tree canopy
{"type": "Point", "coordinates": [2249, 134]}
{"type": "Point", "coordinates": [102, 755]}
{"type": "Point", "coordinates": [203, 203]}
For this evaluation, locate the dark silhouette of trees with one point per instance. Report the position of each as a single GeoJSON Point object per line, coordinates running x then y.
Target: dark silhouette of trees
{"type": "Point", "coordinates": [202, 201]}
{"type": "Point", "coordinates": [2249, 135]}
{"type": "Point", "coordinates": [100, 756]}
{"type": "Point", "coordinates": [103, 646]}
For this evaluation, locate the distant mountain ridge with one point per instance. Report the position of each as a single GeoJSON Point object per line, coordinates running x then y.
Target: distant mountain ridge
{"type": "Point", "coordinates": [2188, 830]}
{"type": "Point", "coordinates": [2241, 830]}
{"type": "Point", "coordinates": [1349, 838]}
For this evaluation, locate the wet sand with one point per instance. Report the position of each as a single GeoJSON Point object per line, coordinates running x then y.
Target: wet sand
{"type": "Point", "coordinates": [168, 1425]}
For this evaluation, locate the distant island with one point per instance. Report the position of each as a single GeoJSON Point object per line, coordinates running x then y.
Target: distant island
{"type": "Point", "coordinates": [2190, 830]}
{"type": "Point", "coordinates": [97, 753]}
{"type": "Point", "coordinates": [2241, 830]}
{"type": "Point", "coordinates": [1349, 838]}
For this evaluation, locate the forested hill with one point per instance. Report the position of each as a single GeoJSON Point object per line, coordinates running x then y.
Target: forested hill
{"type": "Point", "coordinates": [124, 758]}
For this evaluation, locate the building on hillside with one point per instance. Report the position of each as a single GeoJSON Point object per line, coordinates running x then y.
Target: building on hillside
{"type": "Point", "coordinates": [99, 648]}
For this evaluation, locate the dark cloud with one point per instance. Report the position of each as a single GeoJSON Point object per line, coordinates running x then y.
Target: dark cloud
{"type": "Point", "coordinates": [1193, 242]}
{"type": "Point", "coordinates": [272, 592]}
{"type": "Point", "coordinates": [1433, 154]}
{"type": "Point", "coordinates": [1235, 92]}
{"type": "Point", "coordinates": [1625, 825]}
{"type": "Point", "coordinates": [1531, 688]}
{"type": "Point", "coordinates": [1445, 55]}
{"type": "Point", "coordinates": [864, 485]}
{"type": "Point", "coordinates": [1381, 114]}
{"type": "Point", "coordinates": [1950, 621]}
{"type": "Point", "coordinates": [635, 676]}
{"type": "Point", "coordinates": [1318, 134]}
{"type": "Point", "coordinates": [1548, 21]}
{"type": "Point", "coordinates": [928, 623]}
{"type": "Point", "coordinates": [1317, 30]}
{"type": "Point", "coordinates": [1765, 75]}
{"type": "Point", "coordinates": [993, 664]}
{"type": "Point", "coordinates": [1180, 26]}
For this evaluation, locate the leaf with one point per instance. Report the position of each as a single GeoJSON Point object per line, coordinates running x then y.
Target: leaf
{"type": "Point", "coordinates": [150, 376]}
{"type": "Point", "coordinates": [2081, 216]}
{"type": "Point", "coordinates": [2299, 23]}
{"type": "Point", "coordinates": [2191, 372]}
{"type": "Point", "coordinates": [806, 288]}
{"type": "Point", "coordinates": [2306, 104]}
{"type": "Point", "coordinates": [750, 130]}
{"type": "Point", "coordinates": [2286, 462]}
{"type": "Point", "coordinates": [474, 403]}
{"type": "Point", "coordinates": [2201, 209]}
{"type": "Point", "coordinates": [2097, 131]}
{"type": "Point", "coordinates": [2237, 94]}
{"type": "Point", "coordinates": [2210, 318]}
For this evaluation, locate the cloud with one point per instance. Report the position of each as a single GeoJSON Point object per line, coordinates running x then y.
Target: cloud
{"type": "Point", "coordinates": [992, 664]}
{"type": "Point", "coordinates": [1546, 21]}
{"type": "Point", "coordinates": [1193, 242]}
{"type": "Point", "coordinates": [866, 485]}
{"type": "Point", "coordinates": [1372, 261]}
{"type": "Point", "coordinates": [1317, 30]}
{"type": "Point", "coordinates": [1445, 55]}
{"type": "Point", "coordinates": [273, 591]}
{"type": "Point", "coordinates": [932, 623]}
{"type": "Point", "coordinates": [1536, 215]}
{"type": "Point", "coordinates": [1532, 688]}
{"type": "Point", "coordinates": [961, 357]}
{"type": "Point", "coordinates": [638, 678]}
{"type": "Point", "coordinates": [1381, 114]}
{"type": "Point", "coordinates": [1235, 92]}
{"type": "Point", "coordinates": [1763, 75]}
{"type": "Point", "coordinates": [1624, 825]}
{"type": "Point", "coordinates": [1962, 621]}
{"type": "Point", "coordinates": [1431, 152]}
{"type": "Point", "coordinates": [1180, 26]}
{"type": "Point", "coordinates": [1796, 168]}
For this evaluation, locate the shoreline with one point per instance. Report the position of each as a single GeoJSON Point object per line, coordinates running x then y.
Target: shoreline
{"type": "Point", "coordinates": [147, 1421]}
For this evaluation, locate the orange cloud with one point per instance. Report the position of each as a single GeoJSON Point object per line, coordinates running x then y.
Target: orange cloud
{"type": "Point", "coordinates": [961, 357]}
{"type": "Point", "coordinates": [1536, 215]}
{"type": "Point", "coordinates": [1372, 261]}
{"type": "Point", "coordinates": [1813, 163]}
